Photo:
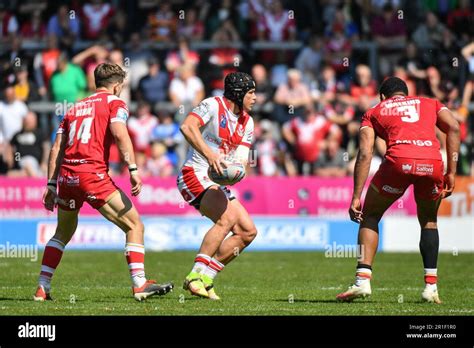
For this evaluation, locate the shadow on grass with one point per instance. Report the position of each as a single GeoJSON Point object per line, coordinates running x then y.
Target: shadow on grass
{"type": "Point", "coordinates": [15, 299]}
{"type": "Point", "coordinates": [322, 301]}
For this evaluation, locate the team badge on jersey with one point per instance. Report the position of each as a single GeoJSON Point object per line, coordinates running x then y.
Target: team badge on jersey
{"type": "Point", "coordinates": [240, 130]}
{"type": "Point", "coordinates": [122, 115]}
{"type": "Point", "coordinates": [223, 122]}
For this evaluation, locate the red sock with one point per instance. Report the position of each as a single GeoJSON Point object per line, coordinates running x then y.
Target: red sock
{"type": "Point", "coordinates": [51, 258]}
{"type": "Point", "coordinates": [431, 275]}
{"type": "Point", "coordinates": [135, 254]}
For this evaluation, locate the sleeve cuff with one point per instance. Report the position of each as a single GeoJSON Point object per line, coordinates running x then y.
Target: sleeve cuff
{"type": "Point", "coordinates": [442, 108]}
{"type": "Point", "coordinates": [116, 119]}
{"type": "Point", "coordinates": [246, 145]}
{"type": "Point", "coordinates": [198, 117]}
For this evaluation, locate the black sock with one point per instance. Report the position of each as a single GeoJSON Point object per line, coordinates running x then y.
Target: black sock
{"type": "Point", "coordinates": [429, 246]}
{"type": "Point", "coordinates": [363, 265]}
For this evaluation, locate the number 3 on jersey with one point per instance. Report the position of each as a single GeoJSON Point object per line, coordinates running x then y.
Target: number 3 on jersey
{"type": "Point", "coordinates": [84, 132]}
{"type": "Point", "coordinates": [410, 113]}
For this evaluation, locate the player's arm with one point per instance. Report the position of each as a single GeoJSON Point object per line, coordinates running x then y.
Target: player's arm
{"type": "Point", "coordinates": [361, 170]}
{"type": "Point", "coordinates": [55, 159]}
{"type": "Point", "coordinates": [449, 126]}
{"type": "Point", "coordinates": [243, 150]}
{"type": "Point", "coordinates": [190, 128]}
{"type": "Point", "coordinates": [124, 143]}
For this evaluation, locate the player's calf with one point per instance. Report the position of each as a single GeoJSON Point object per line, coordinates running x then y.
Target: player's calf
{"type": "Point", "coordinates": [429, 245]}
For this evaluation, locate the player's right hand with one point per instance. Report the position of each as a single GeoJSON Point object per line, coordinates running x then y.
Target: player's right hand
{"type": "Point", "coordinates": [355, 211]}
{"type": "Point", "coordinates": [215, 161]}
{"type": "Point", "coordinates": [136, 184]}
{"type": "Point", "coordinates": [49, 199]}
{"type": "Point", "coordinates": [448, 185]}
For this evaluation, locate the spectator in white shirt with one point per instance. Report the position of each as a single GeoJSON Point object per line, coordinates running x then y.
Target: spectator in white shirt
{"type": "Point", "coordinates": [12, 113]}
{"type": "Point", "coordinates": [186, 91]}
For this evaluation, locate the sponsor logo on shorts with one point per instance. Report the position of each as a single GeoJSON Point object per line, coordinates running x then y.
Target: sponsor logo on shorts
{"type": "Point", "coordinates": [391, 189]}
{"type": "Point", "coordinates": [406, 167]}
{"type": "Point", "coordinates": [426, 169]}
{"type": "Point", "coordinates": [435, 190]}
{"type": "Point", "coordinates": [100, 175]}
{"type": "Point", "coordinates": [91, 197]}
{"type": "Point", "coordinates": [72, 180]}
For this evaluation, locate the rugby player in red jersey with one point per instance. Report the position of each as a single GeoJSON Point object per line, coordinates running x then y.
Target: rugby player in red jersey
{"type": "Point", "coordinates": [407, 124]}
{"type": "Point", "coordinates": [78, 170]}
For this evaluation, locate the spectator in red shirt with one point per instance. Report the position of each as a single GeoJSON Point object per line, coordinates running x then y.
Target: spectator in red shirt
{"type": "Point", "coordinates": [183, 56]}
{"type": "Point", "coordinates": [159, 165]}
{"type": "Point", "coordinates": [96, 15]}
{"type": "Point", "coordinates": [343, 115]}
{"type": "Point", "coordinates": [362, 91]}
{"type": "Point", "coordinates": [141, 127]}
{"type": "Point", "coordinates": [338, 50]}
{"type": "Point", "coordinates": [8, 23]}
{"type": "Point", "coordinates": [223, 59]}
{"type": "Point", "coordinates": [461, 20]}
{"type": "Point", "coordinates": [276, 25]}
{"type": "Point", "coordinates": [308, 134]}
{"type": "Point", "coordinates": [45, 64]}
{"type": "Point", "coordinates": [390, 34]}
{"type": "Point", "coordinates": [35, 28]}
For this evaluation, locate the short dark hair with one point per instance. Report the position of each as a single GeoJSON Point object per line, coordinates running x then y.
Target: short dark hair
{"type": "Point", "coordinates": [106, 74]}
{"type": "Point", "coordinates": [392, 85]}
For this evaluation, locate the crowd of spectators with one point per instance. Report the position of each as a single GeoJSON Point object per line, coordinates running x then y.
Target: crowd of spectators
{"type": "Point", "coordinates": [310, 100]}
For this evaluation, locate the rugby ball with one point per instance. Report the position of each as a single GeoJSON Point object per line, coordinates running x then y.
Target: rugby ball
{"type": "Point", "coordinates": [231, 175]}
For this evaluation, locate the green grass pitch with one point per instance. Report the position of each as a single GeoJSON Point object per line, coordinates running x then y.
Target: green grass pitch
{"type": "Point", "coordinates": [257, 283]}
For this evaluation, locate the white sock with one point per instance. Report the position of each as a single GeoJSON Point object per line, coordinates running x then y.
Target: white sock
{"type": "Point", "coordinates": [135, 254]}
{"type": "Point", "coordinates": [45, 282]}
{"type": "Point", "coordinates": [363, 275]}
{"type": "Point", "coordinates": [431, 274]}
{"type": "Point", "coordinates": [200, 263]}
{"type": "Point", "coordinates": [213, 268]}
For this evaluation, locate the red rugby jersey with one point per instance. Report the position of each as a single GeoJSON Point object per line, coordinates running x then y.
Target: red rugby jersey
{"type": "Point", "coordinates": [88, 135]}
{"type": "Point", "coordinates": [407, 124]}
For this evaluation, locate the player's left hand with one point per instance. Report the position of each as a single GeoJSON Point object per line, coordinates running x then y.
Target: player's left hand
{"type": "Point", "coordinates": [136, 184]}
{"type": "Point", "coordinates": [448, 185]}
{"type": "Point", "coordinates": [50, 199]}
{"type": "Point", "coordinates": [355, 211]}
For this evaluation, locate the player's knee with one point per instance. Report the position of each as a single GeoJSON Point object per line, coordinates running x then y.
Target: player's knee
{"type": "Point", "coordinates": [227, 220]}
{"type": "Point", "coordinates": [63, 236]}
{"type": "Point", "coordinates": [249, 235]}
{"type": "Point", "coordinates": [138, 226]}
{"type": "Point", "coordinates": [135, 226]}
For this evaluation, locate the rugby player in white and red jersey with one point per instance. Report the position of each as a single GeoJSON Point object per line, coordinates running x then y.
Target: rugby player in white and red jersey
{"type": "Point", "coordinates": [218, 128]}
{"type": "Point", "coordinates": [408, 126]}
{"type": "Point", "coordinates": [78, 173]}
